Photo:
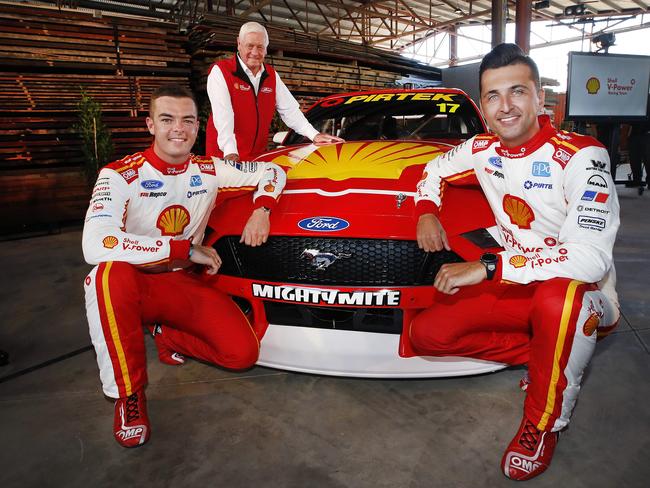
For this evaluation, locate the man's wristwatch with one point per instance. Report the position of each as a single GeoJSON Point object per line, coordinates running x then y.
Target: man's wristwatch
{"type": "Point", "coordinates": [490, 261]}
{"type": "Point", "coordinates": [266, 209]}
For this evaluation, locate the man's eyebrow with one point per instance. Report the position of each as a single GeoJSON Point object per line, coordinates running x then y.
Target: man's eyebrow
{"type": "Point", "coordinates": [513, 87]}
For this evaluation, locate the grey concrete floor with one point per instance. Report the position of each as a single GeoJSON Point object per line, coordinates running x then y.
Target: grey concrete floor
{"type": "Point", "coordinates": [269, 428]}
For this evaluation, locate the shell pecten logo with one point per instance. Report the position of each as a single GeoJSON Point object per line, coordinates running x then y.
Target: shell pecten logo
{"type": "Point", "coordinates": [593, 85]}
{"type": "Point", "coordinates": [518, 261]}
{"type": "Point", "coordinates": [519, 211]}
{"type": "Point", "coordinates": [109, 242]}
{"type": "Point", "coordinates": [339, 162]}
{"type": "Point", "coordinates": [173, 220]}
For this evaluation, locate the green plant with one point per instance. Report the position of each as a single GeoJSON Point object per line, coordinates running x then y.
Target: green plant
{"type": "Point", "coordinates": [97, 144]}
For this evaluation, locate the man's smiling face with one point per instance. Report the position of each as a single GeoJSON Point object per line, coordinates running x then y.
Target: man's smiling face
{"type": "Point", "coordinates": [174, 124]}
{"type": "Point", "coordinates": [510, 102]}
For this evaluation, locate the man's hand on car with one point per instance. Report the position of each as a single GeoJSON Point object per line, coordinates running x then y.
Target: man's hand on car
{"type": "Point", "coordinates": [322, 138]}
{"type": "Point", "coordinates": [256, 230]}
{"type": "Point", "coordinates": [431, 235]}
{"type": "Point", "coordinates": [454, 275]}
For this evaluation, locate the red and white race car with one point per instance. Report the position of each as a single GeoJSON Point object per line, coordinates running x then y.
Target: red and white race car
{"type": "Point", "coordinates": [335, 287]}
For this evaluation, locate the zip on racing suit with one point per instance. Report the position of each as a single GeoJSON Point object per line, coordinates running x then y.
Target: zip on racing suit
{"type": "Point", "coordinates": [143, 215]}
{"type": "Point", "coordinates": [557, 214]}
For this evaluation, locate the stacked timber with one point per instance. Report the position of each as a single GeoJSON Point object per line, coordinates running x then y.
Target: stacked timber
{"type": "Point", "coordinates": [47, 57]}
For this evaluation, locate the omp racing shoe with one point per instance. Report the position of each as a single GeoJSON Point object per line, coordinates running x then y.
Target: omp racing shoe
{"type": "Point", "coordinates": [165, 354]}
{"type": "Point", "coordinates": [131, 423]}
{"type": "Point", "coordinates": [529, 453]}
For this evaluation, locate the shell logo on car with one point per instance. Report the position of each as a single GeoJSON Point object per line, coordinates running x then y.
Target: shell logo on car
{"type": "Point", "coordinates": [339, 162]}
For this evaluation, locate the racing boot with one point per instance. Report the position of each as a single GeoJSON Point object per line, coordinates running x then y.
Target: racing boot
{"type": "Point", "coordinates": [529, 453]}
{"type": "Point", "coordinates": [131, 423]}
{"type": "Point", "coordinates": [524, 382]}
{"type": "Point", "coordinates": [165, 354]}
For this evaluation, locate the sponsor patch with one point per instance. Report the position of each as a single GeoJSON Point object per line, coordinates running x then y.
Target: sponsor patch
{"type": "Point", "coordinates": [591, 324]}
{"type": "Point", "coordinates": [151, 184]}
{"type": "Point", "coordinates": [599, 166]}
{"type": "Point", "coordinates": [244, 166]}
{"type": "Point", "coordinates": [518, 261]}
{"type": "Point", "coordinates": [129, 175]}
{"type": "Point", "coordinates": [266, 89]}
{"type": "Point", "coordinates": [519, 211]}
{"type": "Point", "coordinates": [109, 242]}
{"type": "Point", "coordinates": [173, 220]}
{"type": "Point", "coordinates": [323, 224]}
{"type": "Point", "coordinates": [541, 169]}
{"type": "Point", "coordinates": [196, 181]}
{"type": "Point", "coordinates": [319, 296]}
{"type": "Point", "coordinates": [495, 161]}
{"type": "Point", "coordinates": [589, 222]}
{"type": "Point", "coordinates": [494, 172]}
{"type": "Point", "coordinates": [480, 144]}
{"type": "Point", "coordinates": [97, 207]}
{"type": "Point", "coordinates": [153, 194]}
{"type": "Point", "coordinates": [595, 196]}
{"type": "Point", "coordinates": [562, 156]}
{"type": "Point", "coordinates": [582, 208]}
{"type": "Point", "coordinates": [597, 180]}
{"type": "Point", "coordinates": [550, 241]}
{"type": "Point", "coordinates": [529, 185]}
{"type": "Point", "coordinates": [195, 193]}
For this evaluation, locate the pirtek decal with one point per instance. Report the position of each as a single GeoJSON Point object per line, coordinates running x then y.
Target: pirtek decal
{"type": "Point", "coordinates": [447, 97]}
{"type": "Point", "coordinates": [318, 296]}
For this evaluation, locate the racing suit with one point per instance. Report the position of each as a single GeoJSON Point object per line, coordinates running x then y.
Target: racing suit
{"type": "Point", "coordinates": [557, 214]}
{"type": "Point", "coordinates": [143, 215]}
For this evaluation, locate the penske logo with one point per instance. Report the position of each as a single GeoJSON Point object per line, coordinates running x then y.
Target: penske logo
{"type": "Point", "coordinates": [318, 296]}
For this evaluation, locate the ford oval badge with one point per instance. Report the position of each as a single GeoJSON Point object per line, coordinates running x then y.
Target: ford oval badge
{"type": "Point", "coordinates": [323, 224]}
{"type": "Point", "coordinates": [151, 184]}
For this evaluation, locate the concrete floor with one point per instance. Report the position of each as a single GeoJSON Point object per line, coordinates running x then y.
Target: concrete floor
{"type": "Point", "coordinates": [269, 428]}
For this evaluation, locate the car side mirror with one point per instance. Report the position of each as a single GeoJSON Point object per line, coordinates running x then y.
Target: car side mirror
{"type": "Point", "coordinates": [278, 137]}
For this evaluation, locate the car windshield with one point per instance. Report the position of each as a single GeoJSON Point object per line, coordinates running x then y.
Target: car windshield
{"type": "Point", "coordinates": [395, 116]}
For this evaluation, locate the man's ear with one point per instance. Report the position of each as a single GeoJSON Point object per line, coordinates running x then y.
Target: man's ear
{"type": "Point", "coordinates": [542, 96]}
{"type": "Point", "coordinates": [150, 126]}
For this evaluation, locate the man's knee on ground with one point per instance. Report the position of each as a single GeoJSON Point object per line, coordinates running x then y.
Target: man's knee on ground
{"type": "Point", "coordinates": [244, 358]}
{"type": "Point", "coordinates": [430, 336]}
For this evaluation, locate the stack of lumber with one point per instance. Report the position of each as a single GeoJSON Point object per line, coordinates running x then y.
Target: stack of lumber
{"type": "Point", "coordinates": [47, 57]}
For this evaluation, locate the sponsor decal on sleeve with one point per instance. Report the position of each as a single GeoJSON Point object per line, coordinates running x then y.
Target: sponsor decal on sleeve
{"type": "Point", "coordinates": [135, 245]}
{"type": "Point", "coordinates": [109, 242]}
{"type": "Point", "coordinates": [318, 296]}
{"type": "Point", "coordinates": [590, 222]}
{"type": "Point", "coordinates": [595, 196]}
{"type": "Point", "coordinates": [599, 166]}
{"type": "Point", "coordinates": [598, 181]}
{"type": "Point", "coordinates": [562, 156]}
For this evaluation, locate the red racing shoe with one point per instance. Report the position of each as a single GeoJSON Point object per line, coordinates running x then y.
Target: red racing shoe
{"type": "Point", "coordinates": [131, 423]}
{"type": "Point", "coordinates": [529, 453]}
{"type": "Point", "coordinates": [165, 354]}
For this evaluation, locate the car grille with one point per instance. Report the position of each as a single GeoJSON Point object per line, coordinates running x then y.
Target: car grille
{"type": "Point", "coordinates": [369, 262]}
{"type": "Point", "coordinates": [381, 320]}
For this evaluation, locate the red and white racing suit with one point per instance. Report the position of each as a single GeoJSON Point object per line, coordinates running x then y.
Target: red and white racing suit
{"type": "Point", "coordinates": [557, 214]}
{"type": "Point", "coordinates": [144, 213]}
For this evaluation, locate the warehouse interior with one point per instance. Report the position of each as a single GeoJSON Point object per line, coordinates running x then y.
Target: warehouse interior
{"type": "Point", "coordinates": [265, 427]}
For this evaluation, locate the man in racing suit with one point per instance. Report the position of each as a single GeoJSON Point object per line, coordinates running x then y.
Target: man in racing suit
{"type": "Point", "coordinates": [538, 301]}
{"type": "Point", "coordinates": [143, 229]}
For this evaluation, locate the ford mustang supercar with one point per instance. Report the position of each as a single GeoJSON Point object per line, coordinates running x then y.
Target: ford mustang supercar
{"type": "Point", "coordinates": [335, 287]}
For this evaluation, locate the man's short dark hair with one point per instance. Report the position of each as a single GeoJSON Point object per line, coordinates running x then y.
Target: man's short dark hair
{"type": "Point", "coordinates": [507, 54]}
{"type": "Point", "coordinates": [171, 90]}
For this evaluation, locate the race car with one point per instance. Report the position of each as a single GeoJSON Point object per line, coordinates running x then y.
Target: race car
{"type": "Point", "coordinates": [334, 289]}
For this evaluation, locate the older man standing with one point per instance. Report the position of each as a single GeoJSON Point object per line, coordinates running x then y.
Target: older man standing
{"type": "Point", "coordinates": [244, 94]}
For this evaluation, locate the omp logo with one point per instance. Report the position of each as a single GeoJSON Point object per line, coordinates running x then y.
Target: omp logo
{"type": "Point", "coordinates": [151, 184]}
{"type": "Point", "coordinates": [524, 464]}
{"type": "Point", "coordinates": [126, 434]}
{"type": "Point", "coordinates": [541, 168]}
{"type": "Point", "coordinates": [562, 156]}
{"type": "Point", "coordinates": [480, 144]}
{"type": "Point", "coordinates": [323, 224]}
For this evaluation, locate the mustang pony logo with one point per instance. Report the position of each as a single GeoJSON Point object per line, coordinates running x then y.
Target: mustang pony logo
{"type": "Point", "coordinates": [322, 260]}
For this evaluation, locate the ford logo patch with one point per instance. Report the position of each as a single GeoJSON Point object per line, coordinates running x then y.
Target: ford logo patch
{"type": "Point", "coordinates": [151, 184]}
{"type": "Point", "coordinates": [323, 224]}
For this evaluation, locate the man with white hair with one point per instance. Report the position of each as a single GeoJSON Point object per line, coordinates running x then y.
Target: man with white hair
{"type": "Point", "coordinates": [244, 94]}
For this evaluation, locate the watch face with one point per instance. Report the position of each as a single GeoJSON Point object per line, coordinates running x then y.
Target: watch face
{"type": "Point", "coordinates": [489, 257]}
